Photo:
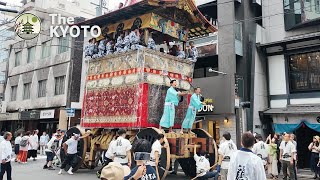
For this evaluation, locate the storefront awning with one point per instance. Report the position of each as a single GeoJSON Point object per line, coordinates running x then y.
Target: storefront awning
{"type": "Point", "coordinates": [289, 128]}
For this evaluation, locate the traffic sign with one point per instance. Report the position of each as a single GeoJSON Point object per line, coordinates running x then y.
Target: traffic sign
{"type": "Point", "coordinates": [70, 112]}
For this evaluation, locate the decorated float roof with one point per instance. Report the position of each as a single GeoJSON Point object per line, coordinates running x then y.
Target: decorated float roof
{"type": "Point", "coordinates": [183, 12]}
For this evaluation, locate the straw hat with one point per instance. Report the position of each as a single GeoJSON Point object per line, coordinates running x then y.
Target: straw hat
{"type": "Point", "coordinates": [114, 171]}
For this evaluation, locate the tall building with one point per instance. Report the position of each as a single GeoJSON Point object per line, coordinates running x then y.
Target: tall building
{"type": "Point", "coordinates": [43, 73]}
{"type": "Point", "coordinates": [290, 51]}
{"type": "Point", "coordinates": [225, 68]}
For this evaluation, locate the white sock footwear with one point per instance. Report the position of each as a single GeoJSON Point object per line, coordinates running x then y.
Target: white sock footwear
{"type": "Point", "coordinates": [60, 172]}
{"type": "Point", "coordinates": [70, 171]}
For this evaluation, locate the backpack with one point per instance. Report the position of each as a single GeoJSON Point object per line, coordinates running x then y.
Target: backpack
{"type": "Point", "coordinates": [24, 142]}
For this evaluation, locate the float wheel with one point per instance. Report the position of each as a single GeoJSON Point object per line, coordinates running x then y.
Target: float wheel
{"type": "Point", "coordinates": [151, 134]}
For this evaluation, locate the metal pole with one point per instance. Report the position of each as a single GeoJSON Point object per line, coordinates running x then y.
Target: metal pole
{"type": "Point", "coordinates": [69, 123]}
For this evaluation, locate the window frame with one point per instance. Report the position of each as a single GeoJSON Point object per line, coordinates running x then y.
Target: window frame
{"type": "Point", "coordinates": [63, 44]}
{"type": "Point", "coordinates": [29, 59]}
{"type": "Point", "coordinates": [16, 61]}
{"type": "Point", "coordinates": [46, 49]}
{"type": "Point", "coordinates": [14, 89]}
{"type": "Point", "coordinates": [24, 91]}
{"type": "Point", "coordinates": [308, 71]}
{"type": "Point", "coordinates": [40, 94]}
{"type": "Point", "coordinates": [59, 85]}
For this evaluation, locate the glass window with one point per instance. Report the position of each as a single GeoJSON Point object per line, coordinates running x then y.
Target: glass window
{"type": "Point", "coordinates": [14, 93]}
{"type": "Point", "coordinates": [300, 11]}
{"type": "Point", "coordinates": [26, 91]}
{"type": "Point", "coordinates": [31, 54]}
{"type": "Point", "coordinates": [46, 49]}
{"type": "Point", "coordinates": [63, 44]}
{"type": "Point", "coordinates": [18, 59]}
{"type": "Point", "coordinates": [59, 85]}
{"type": "Point", "coordinates": [304, 72]}
{"type": "Point", "coordinates": [42, 89]}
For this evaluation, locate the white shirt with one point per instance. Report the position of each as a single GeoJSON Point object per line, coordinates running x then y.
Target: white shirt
{"type": "Point", "coordinates": [17, 140]}
{"type": "Point", "coordinates": [246, 166]}
{"type": "Point", "coordinates": [34, 142]}
{"type": "Point", "coordinates": [109, 154]}
{"type": "Point", "coordinates": [6, 151]}
{"type": "Point", "coordinates": [50, 143]}
{"type": "Point", "coordinates": [226, 149]}
{"type": "Point", "coordinates": [1, 139]}
{"type": "Point", "coordinates": [287, 149]}
{"type": "Point", "coordinates": [261, 150]}
{"type": "Point", "coordinates": [156, 146]}
{"type": "Point", "coordinates": [44, 140]}
{"type": "Point", "coordinates": [120, 148]}
{"type": "Point", "coordinates": [72, 146]}
{"type": "Point", "coordinates": [202, 163]}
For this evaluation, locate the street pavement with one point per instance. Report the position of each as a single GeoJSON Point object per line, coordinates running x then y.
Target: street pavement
{"type": "Point", "coordinates": [33, 171]}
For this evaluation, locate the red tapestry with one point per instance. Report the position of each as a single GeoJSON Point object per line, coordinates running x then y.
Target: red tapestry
{"type": "Point", "coordinates": [114, 101]}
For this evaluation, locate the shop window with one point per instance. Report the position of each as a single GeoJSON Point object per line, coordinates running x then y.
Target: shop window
{"type": "Point", "coordinates": [42, 88]}
{"type": "Point", "coordinates": [304, 72]}
{"type": "Point", "coordinates": [59, 85]}
{"type": "Point", "coordinates": [298, 12]}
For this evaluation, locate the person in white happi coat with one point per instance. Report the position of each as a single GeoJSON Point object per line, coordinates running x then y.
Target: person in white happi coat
{"type": "Point", "coordinates": [261, 149]}
{"type": "Point", "coordinates": [122, 149]}
{"type": "Point", "coordinates": [156, 151]}
{"type": "Point", "coordinates": [226, 149]}
{"type": "Point", "coordinates": [203, 166]}
{"type": "Point", "coordinates": [244, 164]}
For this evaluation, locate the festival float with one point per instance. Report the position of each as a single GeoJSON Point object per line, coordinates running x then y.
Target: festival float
{"type": "Point", "coordinates": [126, 89]}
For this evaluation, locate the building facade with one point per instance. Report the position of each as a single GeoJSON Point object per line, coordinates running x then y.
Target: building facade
{"type": "Point", "coordinates": [43, 74]}
{"type": "Point", "coordinates": [290, 51]}
{"type": "Point", "coordinates": [230, 52]}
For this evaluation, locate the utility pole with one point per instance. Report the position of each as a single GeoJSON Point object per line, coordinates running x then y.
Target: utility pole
{"type": "Point", "coordinates": [7, 10]}
{"type": "Point", "coordinates": [102, 5]}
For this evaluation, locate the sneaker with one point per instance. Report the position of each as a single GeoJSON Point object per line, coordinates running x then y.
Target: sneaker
{"type": "Point", "coordinates": [51, 168]}
{"type": "Point", "coordinates": [70, 171]}
{"type": "Point", "coordinates": [45, 167]}
{"type": "Point", "coordinates": [34, 159]}
{"type": "Point", "coordinates": [60, 172]}
{"type": "Point", "coordinates": [98, 174]}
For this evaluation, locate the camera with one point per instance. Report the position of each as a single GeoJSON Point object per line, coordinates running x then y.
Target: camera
{"type": "Point", "coordinates": [141, 156]}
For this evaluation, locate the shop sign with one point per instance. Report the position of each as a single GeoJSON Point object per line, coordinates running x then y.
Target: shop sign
{"type": "Point", "coordinates": [208, 108]}
{"type": "Point", "coordinates": [47, 114]}
{"type": "Point", "coordinates": [9, 116]}
{"type": "Point", "coordinates": [30, 115]}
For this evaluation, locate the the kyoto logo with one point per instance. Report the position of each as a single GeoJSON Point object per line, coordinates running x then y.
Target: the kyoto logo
{"type": "Point", "coordinates": [27, 26]}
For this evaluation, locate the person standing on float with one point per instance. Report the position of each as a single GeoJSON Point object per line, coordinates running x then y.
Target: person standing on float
{"type": "Point", "coordinates": [194, 105]}
{"type": "Point", "coordinates": [172, 100]}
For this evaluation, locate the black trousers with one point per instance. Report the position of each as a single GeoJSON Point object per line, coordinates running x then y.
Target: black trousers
{"type": "Point", "coordinates": [6, 168]}
{"type": "Point", "coordinates": [70, 159]}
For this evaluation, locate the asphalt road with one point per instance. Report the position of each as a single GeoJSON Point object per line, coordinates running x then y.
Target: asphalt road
{"type": "Point", "coordinates": [33, 171]}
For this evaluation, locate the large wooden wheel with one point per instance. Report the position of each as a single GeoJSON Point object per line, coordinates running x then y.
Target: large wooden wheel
{"type": "Point", "coordinates": [188, 165]}
{"type": "Point", "coordinates": [151, 134]}
{"type": "Point", "coordinates": [82, 145]}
